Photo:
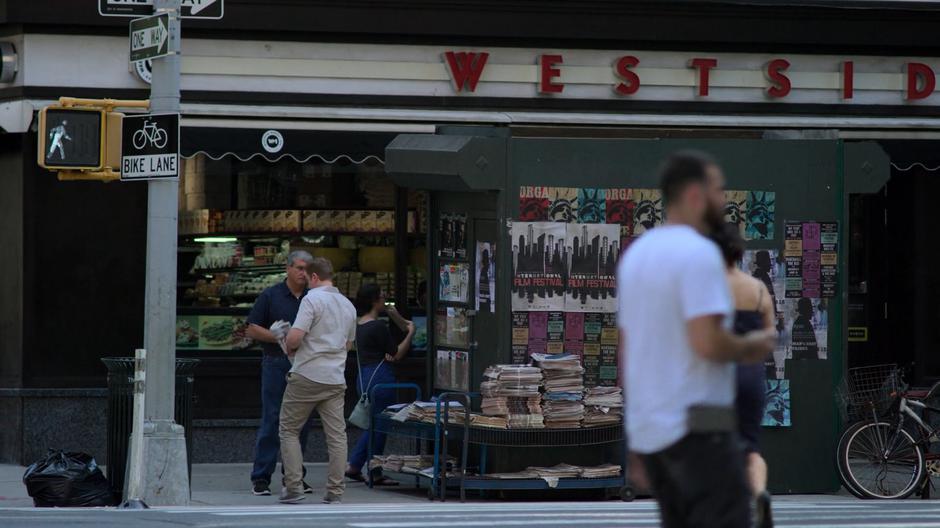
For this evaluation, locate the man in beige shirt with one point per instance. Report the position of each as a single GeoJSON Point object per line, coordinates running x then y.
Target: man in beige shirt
{"type": "Point", "coordinates": [323, 331]}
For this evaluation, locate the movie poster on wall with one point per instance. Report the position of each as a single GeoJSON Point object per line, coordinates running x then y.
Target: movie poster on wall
{"type": "Point", "coordinates": [767, 266]}
{"type": "Point", "coordinates": [812, 259]}
{"type": "Point", "coordinates": [454, 282]}
{"type": "Point", "coordinates": [759, 217]}
{"type": "Point", "coordinates": [534, 203]}
{"type": "Point", "coordinates": [647, 210]}
{"type": "Point", "coordinates": [538, 266]}
{"type": "Point", "coordinates": [591, 255]}
{"type": "Point", "coordinates": [807, 328]}
{"type": "Point", "coordinates": [445, 236]}
{"type": "Point", "coordinates": [486, 276]}
{"type": "Point", "coordinates": [736, 209]}
{"type": "Point", "coordinates": [459, 222]}
{"type": "Point", "coordinates": [777, 404]}
{"type": "Point", "coordinates": [563, 204]}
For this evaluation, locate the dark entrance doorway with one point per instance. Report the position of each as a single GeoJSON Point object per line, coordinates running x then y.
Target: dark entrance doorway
{"type": "Point", "coordinates": [894, 276]}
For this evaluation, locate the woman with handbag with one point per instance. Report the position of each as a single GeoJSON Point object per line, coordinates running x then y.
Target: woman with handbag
{"type": "Point", "coordinates": [376, 352]}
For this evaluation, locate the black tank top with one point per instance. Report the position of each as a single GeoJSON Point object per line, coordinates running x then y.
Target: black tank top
{"type": "Point", "coordinates": [749, 320]}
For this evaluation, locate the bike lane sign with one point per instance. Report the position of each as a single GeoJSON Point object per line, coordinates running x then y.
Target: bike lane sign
{"type": "Point", "coordinates": [150, 147]}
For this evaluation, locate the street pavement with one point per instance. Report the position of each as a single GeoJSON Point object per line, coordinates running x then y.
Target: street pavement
{"type": "Point", "coordinates": [808, 512]}
{"type": "Point", "coordinates": [221, 499]}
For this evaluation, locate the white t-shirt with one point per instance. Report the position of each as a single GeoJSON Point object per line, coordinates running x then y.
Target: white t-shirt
{"type": "Point", "coordinates": [329, 320]}
{"type": "Point", "coordinates": [668, 276]}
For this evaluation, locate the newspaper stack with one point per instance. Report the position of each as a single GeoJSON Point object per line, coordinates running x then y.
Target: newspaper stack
{"type": "Point", "coordinates": [496, 422]}
{"type": "Point", "coordinates": [602, 471]}
{"type": "Point", "coordinates": [604, 406]}
{"type": "Point", "coordinates": [513, 391]}
{"type": "Point", "coordinates": [411, 464]}
{"type": "Point", "coordinates": [564, 388]}
{"type": "Point", "coordinates": [421, 411]}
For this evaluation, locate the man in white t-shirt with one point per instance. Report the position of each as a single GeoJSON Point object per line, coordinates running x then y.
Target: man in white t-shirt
{"type": "Point", "coordinates": [323, 331]}
{"type": "Point", "coordinates": [674, 314]}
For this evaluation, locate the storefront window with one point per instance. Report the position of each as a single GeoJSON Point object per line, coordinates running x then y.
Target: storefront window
{"type": "Point", "coordinates": [239, 220]}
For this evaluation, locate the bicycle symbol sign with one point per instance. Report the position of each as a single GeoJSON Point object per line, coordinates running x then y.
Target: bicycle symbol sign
{"type": "Point", "coordinates": [150, 133]}
{"type": "Point", "coordinates": [150, 147]}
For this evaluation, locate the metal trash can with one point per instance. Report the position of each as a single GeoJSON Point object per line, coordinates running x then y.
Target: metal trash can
{"type": "Point", "coordinates": [121, 413]}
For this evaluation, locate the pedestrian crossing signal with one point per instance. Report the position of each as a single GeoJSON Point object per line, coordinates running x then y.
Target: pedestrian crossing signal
{"type": "Point", "coordinates": [72, 138]}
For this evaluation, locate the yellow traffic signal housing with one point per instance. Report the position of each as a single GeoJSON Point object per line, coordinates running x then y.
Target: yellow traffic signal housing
{"type": "Point", "coordinates": [81, 138]}
{"type": "Point", "coordinates": [72, 138]}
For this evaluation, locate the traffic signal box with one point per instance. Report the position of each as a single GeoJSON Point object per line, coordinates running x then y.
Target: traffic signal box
{"type": "Point", "coordinates": [80, 139]}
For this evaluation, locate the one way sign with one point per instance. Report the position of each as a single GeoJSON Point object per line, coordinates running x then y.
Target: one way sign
{"type": "Point", "coordinates": [150, 37]}
{"type": "Point", "coordinates": [206, 9]}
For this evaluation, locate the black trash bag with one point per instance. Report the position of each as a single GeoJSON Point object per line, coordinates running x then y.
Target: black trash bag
{"type": "Point", "coordinates": [67, 479]}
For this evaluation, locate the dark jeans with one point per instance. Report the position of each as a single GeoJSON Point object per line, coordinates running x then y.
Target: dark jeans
{"type": "Point", "coordinates": [700, 482]}
{"type": "Point", "coordinates": [383, 398]}
{"type": "Point", "coordinates": [274, 371]}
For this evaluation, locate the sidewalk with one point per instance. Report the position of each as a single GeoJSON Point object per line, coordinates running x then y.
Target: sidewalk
{"type": "Point", "coordinates": [229, 485]}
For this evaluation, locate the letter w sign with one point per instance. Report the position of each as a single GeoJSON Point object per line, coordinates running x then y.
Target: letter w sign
{"type": "Point", "coordinates": [465, 68]}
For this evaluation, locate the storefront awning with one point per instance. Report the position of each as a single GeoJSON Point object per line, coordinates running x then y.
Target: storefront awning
{"type": "Point", "coordinates": [447, 163]}
{"type": "Point", "coordinates": [273, 143]}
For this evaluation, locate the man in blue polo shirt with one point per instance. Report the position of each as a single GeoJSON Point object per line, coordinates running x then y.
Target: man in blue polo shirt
{"type": "Point", "coordinates": [277, 303]}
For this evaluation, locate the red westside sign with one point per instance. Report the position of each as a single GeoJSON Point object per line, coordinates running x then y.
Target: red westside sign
{"type": "Point", "coordinates": [466, 68]}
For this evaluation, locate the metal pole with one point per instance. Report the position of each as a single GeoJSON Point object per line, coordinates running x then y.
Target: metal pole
{"type": "Point", "coordinates": [162, 205]}
{"type": "Point", "coordinates": [164, 452]}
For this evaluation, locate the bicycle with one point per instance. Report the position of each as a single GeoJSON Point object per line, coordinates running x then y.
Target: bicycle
{"type": "Point", "coordinates": [150, 132]}
{"type": "Point", "coordinates": [884, 453]}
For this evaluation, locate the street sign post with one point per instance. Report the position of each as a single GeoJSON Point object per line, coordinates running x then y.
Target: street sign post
{"type": "Point", "coordinates": [150, 37]}
{"type": "Point", "coordinates": [150, 147]}
{"type": "Point", "coordinates": [205, 9]}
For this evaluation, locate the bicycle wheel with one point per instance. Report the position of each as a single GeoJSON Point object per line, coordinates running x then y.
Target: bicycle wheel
{"type": "Point", "coordinates": [843, 473]}
{"type": "Point", "coordinates": [881, 463]}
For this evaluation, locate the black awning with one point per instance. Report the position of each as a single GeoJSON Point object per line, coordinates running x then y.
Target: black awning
{"type": "Point", "coordinates": [447, 162]}
{"type": "Point", "coordinates": [273, 144]}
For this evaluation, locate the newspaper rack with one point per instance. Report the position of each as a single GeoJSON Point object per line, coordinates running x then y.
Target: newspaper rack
{"type": "Point", "coordinates": [444, 429]}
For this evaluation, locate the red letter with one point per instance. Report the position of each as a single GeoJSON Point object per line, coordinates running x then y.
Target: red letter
{"type": "Point", "coordinates": [465, 69]}
{"type": "Point", "coordinates": [928, 82]}
{"type": "Point", "coordinates": [848, 79]}
{"type": "Point", "coordinates": [703, 65]}
{"type": "Point", "coordinates": [547, 65]}
{"type": "Point", "coordinates": [775, 69]}
{"type": "Point", "coordinates": [631, 80]}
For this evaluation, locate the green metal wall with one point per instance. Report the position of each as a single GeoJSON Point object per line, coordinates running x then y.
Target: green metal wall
{"type": "Point", "coordinates": [807, 178]}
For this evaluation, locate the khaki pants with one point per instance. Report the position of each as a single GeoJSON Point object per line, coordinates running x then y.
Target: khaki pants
{"type": "Point", "coordinates": [301, 398]}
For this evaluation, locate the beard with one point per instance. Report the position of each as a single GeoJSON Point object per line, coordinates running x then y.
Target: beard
{"type": "Point", "coordinates": [714, 219]}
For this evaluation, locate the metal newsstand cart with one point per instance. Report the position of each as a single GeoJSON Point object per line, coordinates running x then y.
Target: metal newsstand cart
{"type": "Point", "coordinates": [444, 430]}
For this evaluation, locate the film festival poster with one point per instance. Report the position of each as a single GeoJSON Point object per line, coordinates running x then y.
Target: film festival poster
{"type": "Point", "coordinates": [538, 266]}
{"type": "Point", "coordinates": [590, 255]}
{"type": "Point", "coordinates": [766, 265]}
{"type": "Point", "coordinates": [486, 276]}
{"type": "Point", "coordinates": [454, 282]}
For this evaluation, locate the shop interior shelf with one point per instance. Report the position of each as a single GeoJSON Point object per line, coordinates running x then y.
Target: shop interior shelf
{"type": "Point", "coordinates": [287, 234]}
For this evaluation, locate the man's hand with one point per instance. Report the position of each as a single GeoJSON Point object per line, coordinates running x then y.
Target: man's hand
{"type": "Point", "coordinates": [758, 345]}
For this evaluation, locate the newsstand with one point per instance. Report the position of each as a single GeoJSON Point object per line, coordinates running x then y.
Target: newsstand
{"type": "Point", "coordinates": [121, 413]}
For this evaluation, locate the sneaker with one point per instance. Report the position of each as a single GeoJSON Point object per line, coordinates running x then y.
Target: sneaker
{"type": "Point", "coordinates": [260, 487]}
{"type": "Point", "coordinates": [307, 489]}
{"type": "Point", "coordinates": [290, 498]}
{"type": "Point", "coordinates": [332, 498]}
